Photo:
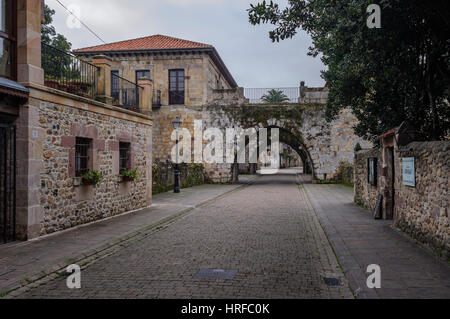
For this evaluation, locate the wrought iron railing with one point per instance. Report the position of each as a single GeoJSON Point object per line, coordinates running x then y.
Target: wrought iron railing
{"type": "Point", "coordinates": [273, 95]}
{"type": "Point", "coordinates": [176, 97]}
{"type": "Point", "coordinates": [156, 98]}
{"type": "Point", "coordinates": [125, 93]}
{"type": "Point", "coordinates": [64, 71]}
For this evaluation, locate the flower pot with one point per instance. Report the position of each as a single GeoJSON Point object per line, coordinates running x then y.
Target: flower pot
{"type": "Point", "coordinates": [77, 181]}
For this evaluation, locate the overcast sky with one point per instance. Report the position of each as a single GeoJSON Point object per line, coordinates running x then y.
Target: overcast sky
{"type": "Point", "coordinates": [249, 54]}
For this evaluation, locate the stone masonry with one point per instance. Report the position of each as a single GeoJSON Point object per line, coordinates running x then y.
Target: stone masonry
{"type": "Point", "coordinates": [327, 145]}
{"type": "Point", "coordinates": [366, 195]}
{"type": "Point", "coordinates": [202, 76]}
{"type": "Point", "coordinates": [423, 211]}
{"type": "Point", "coordinates": [55, 120]}
{"type": "Point", "coordinates": [420, 211]}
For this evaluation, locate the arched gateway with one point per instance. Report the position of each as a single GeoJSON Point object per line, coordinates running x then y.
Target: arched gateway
{"type": "Point", "coordinates": [323, 146]}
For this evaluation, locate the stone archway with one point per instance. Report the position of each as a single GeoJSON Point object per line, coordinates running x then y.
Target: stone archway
{"type": "Point", "coordinates": [286, 137]}
{"type": "Point", "coordinates": [293, 141]}
{"type": "Point", "coordinates": [325, 146]}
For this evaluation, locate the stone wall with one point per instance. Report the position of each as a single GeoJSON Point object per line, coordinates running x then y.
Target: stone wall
{"type": "Point", "coordinates": [423, 211]}
{"type": "Point", "coordinates": [420, 211]}
{"type": "Point", "coordinates": [366, 195]}
{"type": "Point", "coordinates": [162, 133]}
{"type": "Point", "coordinates": [163, 176]}
{"type": "Point", "coordinates": [313, 95]}
{"type": "Point", "coordinates": [226, 97]}
{"type": "Point", "coordinates": [59, 119]}
{"type": "Point", "coordinates": [346, 175]}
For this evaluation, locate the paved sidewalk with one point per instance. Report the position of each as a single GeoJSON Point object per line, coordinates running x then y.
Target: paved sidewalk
{"type": "Point", "coordinates": [25, 262]}
{"type": "Point", "coordinates": [407, 270]}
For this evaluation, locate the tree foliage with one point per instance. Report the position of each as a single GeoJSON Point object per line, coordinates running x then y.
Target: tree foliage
{"type": "Point", "coordinates": [400, 72]}
{"type": "Point", "coordinates": [275, 96]}
{"type": "Point", "coordinates": [49, 35]}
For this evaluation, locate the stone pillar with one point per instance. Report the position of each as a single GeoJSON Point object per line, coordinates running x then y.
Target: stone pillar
{"type": "Point", "coordinates": [149, 166]}
{"type": "Point", "coordinates": [103, 64]}
{"type": "Point", "coordinates": [145, 95]}
{"type": "Point", "coordinates": [30, 134]}
{"type": "Point", "coordinates": [29, 19]}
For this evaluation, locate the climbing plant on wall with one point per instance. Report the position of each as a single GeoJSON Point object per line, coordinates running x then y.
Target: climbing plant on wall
{"type": "Point", "coordinates": [288, 117]}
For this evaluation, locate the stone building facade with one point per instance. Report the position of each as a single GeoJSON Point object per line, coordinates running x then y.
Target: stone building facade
{"type": "Point", "coordinates": [61, 121]}
{"type": "Point", "coordinates": [44, 187]}
{"type": "Point", "coordinates": [161, 58]}
{"type": "Point", "coordinates": [156, 56]}
{"type": "Point", "coordinates": [421, 210]}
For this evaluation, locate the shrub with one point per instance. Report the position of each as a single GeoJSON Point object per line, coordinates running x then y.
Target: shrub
{"type": "Point", "coordinates": [92, 177]}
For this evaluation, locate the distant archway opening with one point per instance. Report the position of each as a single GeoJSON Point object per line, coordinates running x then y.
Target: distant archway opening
{"type": "Point", "coordinates": [294, 142]}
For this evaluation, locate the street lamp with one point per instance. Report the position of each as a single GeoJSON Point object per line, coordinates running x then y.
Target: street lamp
{"type": "Point", "coordinates": [176, 188]}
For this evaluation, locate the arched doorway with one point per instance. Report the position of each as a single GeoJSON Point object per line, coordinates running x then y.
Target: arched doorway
{"type": "Point", "coordinates": [288, 138]}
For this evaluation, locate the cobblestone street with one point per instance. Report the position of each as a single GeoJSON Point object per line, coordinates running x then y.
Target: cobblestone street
{"type": "Point", "coordinates": [267, 232]}
{"type": "Point", "coordinates": [282, 236]}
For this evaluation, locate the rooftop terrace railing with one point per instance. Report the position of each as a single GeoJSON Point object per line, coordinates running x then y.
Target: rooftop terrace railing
{"type": "Point", "coordinates": [125, 93]}
{"type": "Point", "coordinates": [272, 95]}
{"type": "Point", "coordinates": [64, 71]}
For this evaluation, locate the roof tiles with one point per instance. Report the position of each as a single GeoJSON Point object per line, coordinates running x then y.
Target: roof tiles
{"type": "Point", "coordinates": [153, 42]}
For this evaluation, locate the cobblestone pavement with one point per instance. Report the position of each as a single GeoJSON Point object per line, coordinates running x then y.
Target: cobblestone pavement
{"type": "Point", "coordinates": [25, 262]}
{"type": "Point", "coordinates": [407, 270]}
{"type": "Point", "coordinates": [267, 232]}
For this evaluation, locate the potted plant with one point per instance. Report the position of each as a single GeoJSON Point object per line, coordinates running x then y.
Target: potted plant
{"type": "Point", "coordinates": [92, 178]}
{"type": "Point", "coordinates": [128, 175]}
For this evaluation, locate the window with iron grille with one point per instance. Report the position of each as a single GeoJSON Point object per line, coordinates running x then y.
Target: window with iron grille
{"type": "Point", "coordinates": [82, 155]}
{"type": "Point", "coordinates": [115, 90]}
{"type": "Point", "coordinates": [124, 156]}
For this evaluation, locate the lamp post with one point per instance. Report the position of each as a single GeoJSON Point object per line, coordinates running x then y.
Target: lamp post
{"type": "Point", "coordinates": [176, 187]}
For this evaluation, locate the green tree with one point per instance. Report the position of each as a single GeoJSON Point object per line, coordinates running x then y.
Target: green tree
{"type": "Point", "coordinates": [400, 72]}
{"type": "Point", "coordinates": [275, 96]}
{"type": "Point", "coordinates": [48, 32]}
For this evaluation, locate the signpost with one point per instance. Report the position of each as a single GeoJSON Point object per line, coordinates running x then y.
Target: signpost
{"type": "Point", "coordinates": [408, 171]}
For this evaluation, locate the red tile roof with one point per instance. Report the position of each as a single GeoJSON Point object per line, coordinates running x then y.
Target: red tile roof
{"type": "Point", "coordinates": [387, 134]}
{"type": "Point", "coordinates": [153, 42]}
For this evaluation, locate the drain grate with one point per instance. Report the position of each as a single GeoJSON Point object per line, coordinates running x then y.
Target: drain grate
{"type": "Point", "coordinates": [331, 281]}
{"type": "Point", "coordinates": [215, 274]}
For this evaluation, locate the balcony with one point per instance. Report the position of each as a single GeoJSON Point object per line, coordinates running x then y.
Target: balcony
{"type": "Point", "coordinates": [125, 94]}
{"type": "Point", "coordinates": [66, 72]}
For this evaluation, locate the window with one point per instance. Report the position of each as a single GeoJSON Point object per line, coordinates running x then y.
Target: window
{"type": "Point", "coordinates": [7, 38]}
{"type": "Point", "coordinates": [217, 83]}
{"type": "Point", "coordinates": [372, 170]}
{"type": "Point", "coordinates": [176, 86]}
{"type": "Point", "coordinates": [83, 158]}
{"type": "Point", "coordinates": [124, 156]}
{"type": "Point", "coordinates": [115, 91]}
{"type": "Point", "coordinates": [142, 74]}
